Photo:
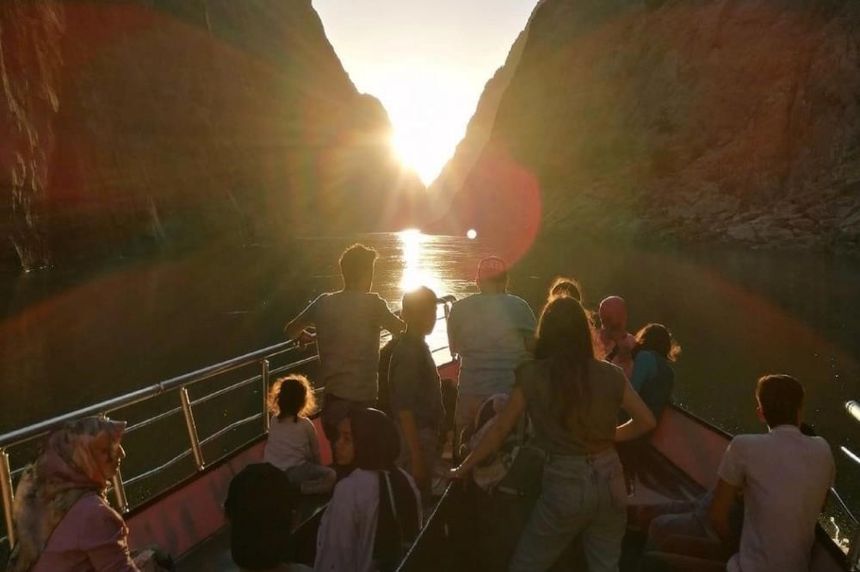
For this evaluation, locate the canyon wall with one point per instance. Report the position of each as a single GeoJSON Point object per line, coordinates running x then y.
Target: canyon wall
{"type": "Point", "coordinates": [133, 124]}
{"type": "Point", "coordinates": [707, 120]}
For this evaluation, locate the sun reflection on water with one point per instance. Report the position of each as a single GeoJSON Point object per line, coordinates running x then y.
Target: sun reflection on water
{"type": "Point", "coordinates": [418, 267]}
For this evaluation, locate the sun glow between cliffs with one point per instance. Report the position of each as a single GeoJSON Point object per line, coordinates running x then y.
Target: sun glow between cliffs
{"type": "Point", "coordinates": [428, 116]}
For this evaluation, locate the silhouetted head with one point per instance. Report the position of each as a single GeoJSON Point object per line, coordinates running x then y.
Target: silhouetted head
{"type": "Point", "coordinates": [375, 439]}
{"type": "Point", "coordinates": [565, 287]}
{"type": "Point", "coordinates": [613, 315]}
{"type": "Point", "coordinates": [492, 275]}
{"type": "Point", "coordinates": [780, 400]}
{"type": "Point", "coordinates": [657, 338]}
{"type": "Point", "coordinates": [292, 396]}
{"type": "Point", "coordinates": [564, 329]}
{"type": "Point", "coordinates": [418, 310]}
{"type": "Point", "coordinates": [356, 267]}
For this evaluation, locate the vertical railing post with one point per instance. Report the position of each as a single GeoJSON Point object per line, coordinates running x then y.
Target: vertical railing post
{"type": "Point", "coordinates": [119, 492]}
{"type": "Point", "coordinates": [264, 374]}
{"type": "Point", "coordinates": [6, 490]}
{"type": "Point", "coordinates": [192, 429]}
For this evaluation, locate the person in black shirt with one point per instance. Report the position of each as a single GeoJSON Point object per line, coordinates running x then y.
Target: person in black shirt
{"type": "Point", "coordinates": [415, 396]}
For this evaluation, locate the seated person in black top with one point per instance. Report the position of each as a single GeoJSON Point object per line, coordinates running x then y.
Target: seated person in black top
{"type": "Point", "coordinates": [259, 507]}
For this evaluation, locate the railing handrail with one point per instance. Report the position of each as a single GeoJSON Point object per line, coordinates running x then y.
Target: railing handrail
{"type": "Point", "coordinates": [130, 398]}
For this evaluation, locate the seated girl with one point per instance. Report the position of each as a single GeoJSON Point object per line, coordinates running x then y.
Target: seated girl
{"type": "Point", "coordinates": [293, 446]}
{"type": "Point", "coordinates": [63, 521]}
{"type": "Point", "coordinates": [375, 512]}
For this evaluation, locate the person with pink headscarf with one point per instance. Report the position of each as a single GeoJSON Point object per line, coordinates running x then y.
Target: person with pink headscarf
{"type": "Point", "coordinates": [615, 342]}
{"type": "Point", "coordinates": [63, 521]}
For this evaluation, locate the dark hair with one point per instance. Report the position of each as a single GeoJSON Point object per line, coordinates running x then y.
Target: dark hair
{"type": "Point", "coordinates": [292, 396]}
{"type": "Point", "coordinates": [564, 337]}
{"type": "Point", "coordinates": [563, 286]}
{"type": "Point", "coordinates": [780, 397]}
{"type": "Point", "coordinates": [356, 262]}
{"type": "Point", "coordinates": [377, 446]}
{"type": "Point", "coordinates": [657, 338]}
{"type": "Point", "coordinates": [416, 299]}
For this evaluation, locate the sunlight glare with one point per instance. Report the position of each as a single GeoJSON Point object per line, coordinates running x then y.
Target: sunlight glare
{"type": "Point", "coordinates": [471, 234]}
{"type": "Point", "coordinates": [429, 110]}
{"type": "Point", "coordinates": [417, 269]}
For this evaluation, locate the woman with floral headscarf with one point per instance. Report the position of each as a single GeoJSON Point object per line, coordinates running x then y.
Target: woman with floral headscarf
{"type": "Point", "coordinates": [63, 522]}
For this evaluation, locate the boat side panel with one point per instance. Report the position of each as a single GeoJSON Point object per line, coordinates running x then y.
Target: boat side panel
{"type": "Point", "coordinates": [691, 445]}
{"type": "Point", "coordinates": [187, 516]}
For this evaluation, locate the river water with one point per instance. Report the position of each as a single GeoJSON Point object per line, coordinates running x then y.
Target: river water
{"type": "Point", "coordinates": [68, 339]}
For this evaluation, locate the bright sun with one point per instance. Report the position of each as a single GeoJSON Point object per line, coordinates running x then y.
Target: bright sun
{"type": "Point", "coordinates": [428, 114]}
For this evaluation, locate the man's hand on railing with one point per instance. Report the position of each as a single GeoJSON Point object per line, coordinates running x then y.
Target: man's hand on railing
{"type": "Point", "coordinates": [306, 338]}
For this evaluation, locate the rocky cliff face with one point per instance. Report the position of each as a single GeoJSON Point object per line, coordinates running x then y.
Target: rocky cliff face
{"type": "Point", "coordinates": [711, 120]}
{"type": "Point", "coordinates": [453, 175]}
{"type": "Point", "coordinates": [133, 123]}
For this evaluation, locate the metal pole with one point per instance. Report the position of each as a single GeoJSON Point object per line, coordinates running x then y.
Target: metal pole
{"type": "Point", "coordinates": [192, 429]}
{"type": "Point", "coordinates": [6, 491]}
{"type": "Point", "coordinates": [119, 492]}
{"type": "Point", "coordinates": [264, 371]}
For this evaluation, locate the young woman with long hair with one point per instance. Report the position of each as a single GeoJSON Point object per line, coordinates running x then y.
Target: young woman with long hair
{"type": "Point", "coordinates": [572, 400]}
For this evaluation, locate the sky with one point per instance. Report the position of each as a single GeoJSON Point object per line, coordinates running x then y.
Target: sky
{"type": "Point", "coordinates": [427, 61]}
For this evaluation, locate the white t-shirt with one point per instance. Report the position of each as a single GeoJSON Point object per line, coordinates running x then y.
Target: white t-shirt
{"type": "Point", "coordinates": [348, 527]}
{"type": "Point", "coordinates": [291, 443]}
{"type": "Point", "coordinates": [489, 331]}
{"type": "Point", "coordinates": [348, 325]}
{"type": "Point", "coordinates": [785, 476]}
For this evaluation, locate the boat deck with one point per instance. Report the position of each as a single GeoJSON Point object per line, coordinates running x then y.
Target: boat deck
{"type": "Point", "coordinates": [659, 482]}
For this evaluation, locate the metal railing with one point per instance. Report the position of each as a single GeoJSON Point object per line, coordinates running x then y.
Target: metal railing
{"type": "Point", "coordinates": [186, 406]}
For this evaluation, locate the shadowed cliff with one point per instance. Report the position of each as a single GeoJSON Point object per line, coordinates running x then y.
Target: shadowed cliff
{"type": "Point", "coordinates": [708, 120]}
{"type": "Point", "coordinates": [139, 124]}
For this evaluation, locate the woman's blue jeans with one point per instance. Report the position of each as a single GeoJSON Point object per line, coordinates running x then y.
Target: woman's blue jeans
{"type": "Point", "coordinates": [580, 495]}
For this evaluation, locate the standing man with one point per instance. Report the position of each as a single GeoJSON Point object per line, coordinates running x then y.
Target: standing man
{"type": "Point", "coordinates": [492, 332]}
{"type": "Point", "coordinates": [348, 324]}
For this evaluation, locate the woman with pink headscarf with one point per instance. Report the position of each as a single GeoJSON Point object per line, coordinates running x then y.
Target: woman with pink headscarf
{"type": "Point", "coordinates": [615, 342]}
{"type": "Point", "coordinates": [63, 521]}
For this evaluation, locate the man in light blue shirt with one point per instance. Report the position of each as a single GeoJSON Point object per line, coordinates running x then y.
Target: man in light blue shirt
{"type": "Point", "coordinates": [492, 332]}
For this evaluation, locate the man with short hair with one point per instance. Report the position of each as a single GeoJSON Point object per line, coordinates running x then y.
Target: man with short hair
{"type": "Point", "coordinates": [415, 389]}
{"type": "Point", "coordinates": [348, 323]}
{"type": "Point", "coordinates": [784, 476]}
{"type": "Point", "coordinates": [492, 332]}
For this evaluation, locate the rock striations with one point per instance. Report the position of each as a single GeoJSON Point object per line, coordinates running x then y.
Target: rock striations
{"type": "Point", "coordinates": [714, 120]}
{"type": "Point", "coordinates": [128, 124]}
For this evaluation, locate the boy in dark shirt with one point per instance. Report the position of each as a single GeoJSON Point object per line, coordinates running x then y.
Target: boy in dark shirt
{"type": "Point", "coordinates": [415, 390]}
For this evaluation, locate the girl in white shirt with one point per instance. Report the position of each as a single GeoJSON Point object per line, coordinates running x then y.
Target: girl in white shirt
{"type": "Point", "coordinates": [293, 446]}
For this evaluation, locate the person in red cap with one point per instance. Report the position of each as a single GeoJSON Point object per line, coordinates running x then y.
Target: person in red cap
{"type": "Point", "coordinates": [492, 332]}
{"type": "Point", "coordinates": [616, 343]}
